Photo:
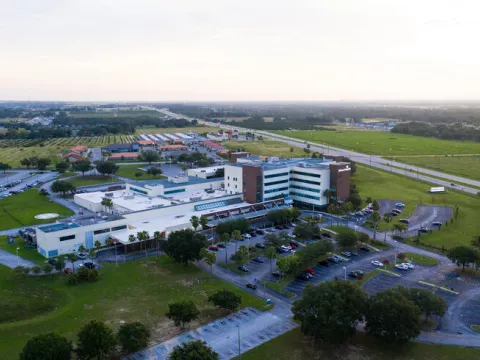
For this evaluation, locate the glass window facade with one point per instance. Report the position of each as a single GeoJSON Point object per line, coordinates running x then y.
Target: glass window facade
{"type": "Point", "coordinates": [304, 188]}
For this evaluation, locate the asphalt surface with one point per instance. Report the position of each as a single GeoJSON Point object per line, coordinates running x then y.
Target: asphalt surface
{"type": "Point", "coordinates": [11, 260]}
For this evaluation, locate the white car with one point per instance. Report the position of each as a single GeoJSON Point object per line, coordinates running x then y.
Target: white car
{"type": "Point", "coordinates": [377, 263]}
{"type": "Point", "coordinates": [286, 248]}
{"type": "Point", "coordinates": [247, 236]}
{"type": "Point", "coordinates": [292, 236]}
{"type": "Point", "coordinates": [409, 265]}
{"type": "Point", "coordinates": [401, 266]}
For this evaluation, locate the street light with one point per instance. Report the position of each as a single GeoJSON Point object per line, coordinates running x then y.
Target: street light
{"type": "Point", "coordinates": [239, 349]}
{"type": "Point", "coordinates": [355, 227]}
{"type": "Point", "coordinates": [345, 272]}
{"type": "Point", "coordinates": [18, 259]}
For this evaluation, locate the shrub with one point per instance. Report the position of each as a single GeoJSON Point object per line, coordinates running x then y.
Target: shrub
{"type": "Point", "coordinates": [93, 275]}
{"type": "Point", "coordinates": [82, 274]}
{"type": "Point", "coordinates": [72, 279]}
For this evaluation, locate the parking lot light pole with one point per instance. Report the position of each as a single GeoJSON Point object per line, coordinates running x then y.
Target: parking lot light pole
{"type": "Point", "coordinates": [239, 349]}
{"type": "Point", "coordinates": [345, 272]}
{"type": "Point", "coordinates": [395, 246]}
{"type": "Point", "coordinates": [18, 259]}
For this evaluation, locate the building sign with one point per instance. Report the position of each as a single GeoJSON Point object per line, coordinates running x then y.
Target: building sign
{"type": "Point", "coordinates": [343, 170]}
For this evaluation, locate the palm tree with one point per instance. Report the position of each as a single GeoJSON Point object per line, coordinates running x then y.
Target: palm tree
{"type": "Point", "coordinates": [375, 220]}
{"type": "Point", "coordinates": [203, 222]}
{"type": "Point", "coordinates": [131, 238]}
{"type": "Point", "coordinates": [82, 249]}
{"type": "Point", "coordinates": [237, 236]}
{"type": "Point", "coordinates": [271, 254]}
{"type": "Point", "coordinates": [72, 258]}
{"type": "Point", "coordinates": [140, 239]}
{"type": "Point", "coordinates": [157, 236]}
{"type": "Point", "coordinates": [210, 258]}
{"type": "Point", "coordinates": [107, 202]}
{"type": "Point", "coordinates": [387, 217]}
{"type": "Point", "coordinates": [195, 222]}
{"type": "Point", "coordinates": [97, 244]}
{"type": "Point", "coordinates": [146, 236]}
{"type": "Point", "coordinates": [226, 239]}
{"type": "Point", "coordinates": [92, 254]}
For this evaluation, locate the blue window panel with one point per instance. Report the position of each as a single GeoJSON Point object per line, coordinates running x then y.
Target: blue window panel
{"type": "Point", "coordinates": [43, 252]}
{"type": "Point", "coordinates": [53, 253]}
{"type": "Point", "coordinates": [139, 191]}
{"type": "Point", "coordinates": [174, 191]}
{"type": "Point", "coordinates": [89, 240]}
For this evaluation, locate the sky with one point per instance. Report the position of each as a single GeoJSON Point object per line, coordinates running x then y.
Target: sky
{"type": "Point", "coordinates": [239, 50]}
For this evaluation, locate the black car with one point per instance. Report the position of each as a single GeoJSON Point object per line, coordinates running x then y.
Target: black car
{"type": "Point", "coordinates": [277, 274]}
{"type": "Point", "coordinates": [252, 286]}
{"type": "Point", "coordinates": [352, 274]}
{"type": "Point", "coordinates": [258, 260]}
{"type": "Point", "coordinates": [323, 263]}
{"type": "Point", "coordinates": [424, 229]}
{"type": "Point", "coordinates": [394, 214]}
{"type": "Point", "coordinates": [365, 248]}
{"type": "Point", "coordinates": [252, 234]}
{"type": "Point", "coordinates": [405, 221]}
{"type": "Point", "coordinates": [221, 245]}
{"type": "Point", "coordinates": [243, 268]}
{"type": "Point", "coordinates": [304, 276]}
{"type": "Point", "coordinates": [326, 234]}
{"type": "Point", "coordinates": [333, 260]}
{"type": "Point", "coordinates": [259, 246]}
{"type": "Point", "coordinates": [260, 232]}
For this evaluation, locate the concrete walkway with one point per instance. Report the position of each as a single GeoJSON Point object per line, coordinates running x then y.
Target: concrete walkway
{"type": "Point", "coordinates": [11, 260]}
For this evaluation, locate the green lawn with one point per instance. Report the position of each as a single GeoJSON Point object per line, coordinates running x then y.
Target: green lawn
{"type": "Point", "coordinates": [27, 254]}
{"type": "Point", "coordinates": [294, 346]}
{"type": "Point", "coordinates": [382, 185]}
{"type": "Point", "coordinates": [476, 327]}
{"type": "Point", "coordinates": [93, 180]}
{"type": "Point", "coordinates": [421, 259]}
{"type": "Point", "coordinates": [66, 174]}
{"type": "Point", "coordinates": [129, 171]}
{"type": "Point", "coordinates": [266, 148]}
{"type": "Point", "coordinates": [464, 166]}
{"type": "Point", "coordinates": [385, 143]}
{"type": "Point", "coordinates": [20, 210]}
{"type": "Point", "coordinates": [138, 290]}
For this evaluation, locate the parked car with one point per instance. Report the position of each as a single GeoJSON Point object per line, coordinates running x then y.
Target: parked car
{"type": "Point", "coordinates": [243, 268]}
{"type": "Point", "coordinates": [354, 253]}
{"type": "Point", "coordinates": [88, 265]}
{"type": "Point", "coordinates": [401, 266]}
{"type": "Point", "coordinates": [252, 234]}
{"type": "Point", "coordinates": [252, 286]}
{"type": "Point", "coordinates": [259, 246]}
{"type": "Point", "coordinates": [260, 232]}
{"type": "Point", "coordinates": [246, 236]}
{"type": "Point", "coordinates": [352, 274]}
{"type": "Point", "coordinates": [436, 223]}
{"type": "Point", "coordinates": [346, 253]}
{"type": "Point", "coordinates": [258, 260]}
{"type": "Point", "coordinates": [333, 259]}
{"type": "Point", "coordinates": [277, 274]}
{"type": "Point", "coordinates": [399, 204]}
{"type": "Point", "coordinates": [213, 248]}
{"type": "Point", "coordinates": [405, 221]}
{"type": "Point", "coordinates": [294, 242]}
{"type": "Point", "coordinates": [303, 276]}
{"type": "Point", "coordinates": [68, 271]}
{"type": "Point", "coordinates": [279, 227]}
{"type": "Point", "coordinates": [394, 213]}
{"type": "Point", "coordinates": [377, 263]}
{"type": "Point", "coordinates": [409, 265]}
{"type": "Point", "coordinates": [424, 229]}
{"type": "Point", "coordinates": [82, 256]}
{"type": "Point", "coordinates": [323, 263]}
{"type": "Point", "coordinates": [286, 247]}
{"type": "Point", "coordinates": [365, 248]}
{"type": "Point", "coordinates": [310, 271]}
{"type": "Point", "coordinates": [221, 245]}
{"type": "Point", "coordinates": [398, 211]}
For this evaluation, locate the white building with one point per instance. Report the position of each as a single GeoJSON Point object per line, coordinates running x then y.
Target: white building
{"type": "Point", "coordinates": [205, 173]}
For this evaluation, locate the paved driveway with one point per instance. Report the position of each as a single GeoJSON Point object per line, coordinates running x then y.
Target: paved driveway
{"type": "Point", "coordinates": [11, 261]}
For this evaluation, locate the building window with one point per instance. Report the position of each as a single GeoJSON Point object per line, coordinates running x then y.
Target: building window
{"type": "Point", "coordinates": [139, 191]}
{"type": "Point", "coordinates": [304, 196]}
{"type": "Point", "coordinates": [174, 191]}
{"type": "Point", "coordinates": [276, 175]}
{"type": "Point", "coordinates": [235, 186]}
{"type": "Point", "coordinates": [228, 177]}
{"type": "Point", "coordinates": [116, 228]}
{"type": "Point", "coordinates": [306, 181]}
{"type": "Point", "coordinates": [304, 188]}
{"type": "Point", "coordinates": [276, 190]}
{"type": "Point", "coordinates": [53, 253]}
{"type": "Point", "coordinates": [305, 173]}
{"type": "Point", "coordinates": [68, 237]}
{"type": "Point", "coordinates": [277, 182]}
{"type": "Point", "coordinates": [102, 231]}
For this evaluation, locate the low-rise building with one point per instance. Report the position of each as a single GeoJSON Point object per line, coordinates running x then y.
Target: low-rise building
{"type": "Point", "coordinates": [122, 148]}
{"type": "Point", "coordinates": [212, 145]}
{"type": "Point", "coordinates": [206, 172]}
{"type": "Point", "coordinates": [124, 156]}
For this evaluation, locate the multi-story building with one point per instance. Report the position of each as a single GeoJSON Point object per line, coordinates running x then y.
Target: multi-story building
{"type": "Point", "coordinates": [303, 181]}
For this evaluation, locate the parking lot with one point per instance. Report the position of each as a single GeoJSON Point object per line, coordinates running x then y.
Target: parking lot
{"type": "Point", "coordinates": [425, 215]}
{"type": "Point", "coordinates": [322, 273]}
{"type": "Point", "coordinates": [249, 326]}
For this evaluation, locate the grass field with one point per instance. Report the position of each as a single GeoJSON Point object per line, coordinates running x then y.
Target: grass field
{"type": "Point", "coordinates": [88, 180]}
{"type": "Point", "coordinates": [27, 254]}
{"type": "Point", "coordinates": [421, 259]}
{"type": "Point", "coordinates": [20, 210]}
{"type": "Point", "coordinates": [385, 143]}
{"type": "Point", "coordinates": [267, 148]}
{"type": "Point", "coordinates": [155, 130]}
{"type": "Point", "coordinates": [294, 346]}
{"type": "Point", "coordinates": [464, 166]}
{"type": "Point", "coordinates": [138, 290]}
{"type": "Point", "coordinates": [382, 185]}
{"type": "Point", "coordinates": [118, 114]}
{"type": "Point", "coordinates": [129, 171]}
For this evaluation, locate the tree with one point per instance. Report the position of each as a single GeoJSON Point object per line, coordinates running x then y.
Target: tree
{"type": "Point", "coordinates": [108, 203]}
{"type": "Point", "coordinates": [347, 239]}
{"type": "Point", "coordinates": [107, 167]}
{"type": "Point", "coordinates": [49, 346]}
{"type": "Point", "coordinates": [375, 220]}
{"type": "Point", "coordinates": [82, 249]}
{"type": "Point", "coordinates": [133, 337]}
{"type": "Point", "coordinates": [240, 256]}
{"type": "Point", "coordinates": [82, 165]}
{"type": "Point", "coordinates": [36, 270]}
{"type": "Point", "coordinates": [306, 231]}
{"type": "Point", "coordinates": [197, 349]}
{"type": "Point", "coordinates": [182, 313]}
{"type": "Point", "coordinates": [475, 242]}
{"type": "Point", "coordinates": [226, 240]}
{"type": "Point", "coordinates": [60, 263]}
{"type": "Point", "coordinates": [210, 259]}
{"type": "Point", "coordinates": [157, 236]}
{"type": "Point", "coordinates": [150, 156]}
{"type": "Point", "coordinates": [294, 213]}
{"type": "Point", "coordinates": [271, 254]}
{"type": "Point", "coordinates": [47, 268]}
{"type": "Point", "coordinates": [62, 186]}
{"type": "Point", "coordinates": [92, 254]}
{"type": "Point", "coordinates": [195, 222]}
{"type": "Point", "coordinates": [26, 162]}
{"type": "Point", "coordinates": [4, 167]}
{"type": "Point", "coordinates": [369, 200]}
{"type": "Point", "coordinates": [428, 303]}
{"type": "Point", "coordinates": [184, 246]}
{"type": "Point", "coordinates": [72, 258]}
{"type": "Point", "coordinates": [292, 149]}
{"type": "Point", "coordinates": [462, 255]}
{"type": "Point", "coordinates": [97, 244]}
{"type": "Point", "coordinates": [362, 237]}
{"type": "Point", "coordinates": [203, 222]}
{"type": "Point", "coordinates": [95, 341]}
{"type": "Point", "coordinates": [237, 236]}
{"type": "Point", "coordinates": [138, 174]}
{"type": "Point", "coordinates": [62, 166]}
{"type": "Point", "coordinates": [42, 163]}
{"type": "Point", "coordinates": [392, 316]}
{"type": "Point", "coordinates": [226, 300]}
{"type": "Point", "coordinates": [375, 206]}
{"type": "Point", "coordinates": [331, 311]}
{"type": "Point", "coordinates": [388, 218]}
{"type": "Point", "coordinates": [154, 171]}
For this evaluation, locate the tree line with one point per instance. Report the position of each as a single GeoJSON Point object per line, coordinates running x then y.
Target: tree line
{"type": "Point", "coordinates": [455, 131]}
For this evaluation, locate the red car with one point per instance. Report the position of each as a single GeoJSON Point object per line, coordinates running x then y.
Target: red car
{"type": "Point", "coordinates": [213, 248]}
{"type": "Point", "coordinates": [293, 246]}
{"type": "Point", "coordinates": [310, 271]}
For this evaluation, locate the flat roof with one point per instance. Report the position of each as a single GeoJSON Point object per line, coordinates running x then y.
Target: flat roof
{"type": "Point", "coordinates": [207, 169]}
{"type": "Point", "coordinates": [192, 180]}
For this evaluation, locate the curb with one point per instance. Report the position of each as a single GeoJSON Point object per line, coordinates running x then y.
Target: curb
{"type": "Point", "coordinates": [438, 287]}
{"type": "Point", "coordinates": [390, 272]}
